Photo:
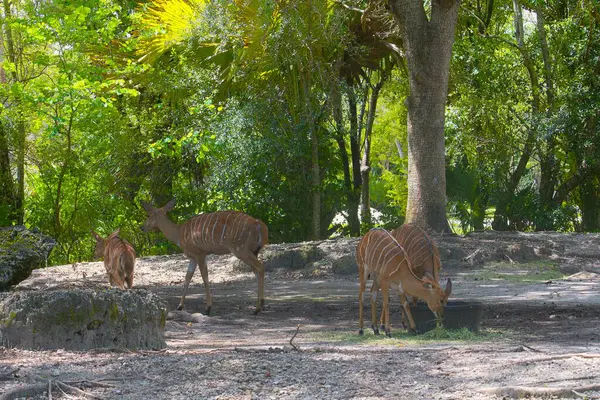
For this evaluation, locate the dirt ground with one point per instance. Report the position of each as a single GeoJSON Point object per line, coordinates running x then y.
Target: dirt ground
{"type": "Point", "coordinates": [538, 334]}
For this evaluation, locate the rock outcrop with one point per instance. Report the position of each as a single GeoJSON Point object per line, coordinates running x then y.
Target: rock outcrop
{"type": "Point", "coordinates": [21, 251]}
{"type": "Point", "coordinates": [80, 319]}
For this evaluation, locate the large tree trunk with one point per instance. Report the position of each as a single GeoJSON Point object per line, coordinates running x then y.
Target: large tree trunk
{"type": "Point", "coordinates": [428, 47]}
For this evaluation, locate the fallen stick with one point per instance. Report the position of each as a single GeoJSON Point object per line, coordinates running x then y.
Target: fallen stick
{"type": "Point", "coordinates": [519, 392]}
{"type": "Point", "coordinates": [557, 357]}
{"type": "Point", "coordinates": [77, 391]}
{"type": "Point", "coordinates": [49, 389]}
{"type": "Point", "coordinates": [293, 345]}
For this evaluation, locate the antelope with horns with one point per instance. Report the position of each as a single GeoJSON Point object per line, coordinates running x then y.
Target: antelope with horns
{"type": "Point", "coordinates": [119, 258]}
{"type": "Point", "coordinates": [223, 232]}
{"type": "Point", "coordinates": [424, 255]}
{"type": "Point", "coordinates": [379, 253]}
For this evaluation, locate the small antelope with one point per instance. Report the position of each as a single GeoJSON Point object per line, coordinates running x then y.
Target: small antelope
{"type": "Point", "coordinates": [119, 258]}
{"type": "Point", "coordinates": [424, 255]}
{"type": "Point", "coordinates": [222, 232]}
{"type": "Point", "coordinates": [379, 253]}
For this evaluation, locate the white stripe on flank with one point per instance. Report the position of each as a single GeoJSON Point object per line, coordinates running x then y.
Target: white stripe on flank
{"type": "Point", "coordinates": [212, 236]}
{"type": "Point", "coordinates": [225, 226]}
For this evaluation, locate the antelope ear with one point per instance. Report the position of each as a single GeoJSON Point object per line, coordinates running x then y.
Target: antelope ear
{"type": "Point", "coordinates": [115, 233]}
{"type": "Point", "coordinates": [169, 206]}
{"type": "Point", "coordinates": [147, 206]}
{"type": "Point", "coordinates": [96, 235]}
{"type": "Point", "coordinates": [448, 287]}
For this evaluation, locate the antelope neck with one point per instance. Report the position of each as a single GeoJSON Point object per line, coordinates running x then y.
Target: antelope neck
{"type": "Point", "coordinates": [168, 228]}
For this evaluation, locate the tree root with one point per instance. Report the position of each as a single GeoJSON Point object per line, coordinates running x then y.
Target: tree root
{"type": "Point", "coordinates": [40, 388]}
{"type": "Point", "coordinates": [519, 392]}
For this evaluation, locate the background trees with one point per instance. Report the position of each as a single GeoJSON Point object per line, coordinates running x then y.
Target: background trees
{"type": "Point", "coordinates": [296, 112]}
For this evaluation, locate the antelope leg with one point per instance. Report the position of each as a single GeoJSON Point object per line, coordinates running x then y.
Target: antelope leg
{"type": "Point", "coordinates": [374, 292]}
{"type": "Point", "coordinates": [385, 292]}
{"type": "Point", "coordinates": [188, 277]}
{"type": "Point", "coordinates": [259, 271]}
{"type": "Point", "coordinates": [361, 290]}
{"type": "Point", "coordinates": [204, 273]}
{"type": "Point", "coordinates": [406, 307]}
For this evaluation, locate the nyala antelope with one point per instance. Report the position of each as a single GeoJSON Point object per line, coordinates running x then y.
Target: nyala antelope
{"type": "Point", "coordinates": [380, 254]}
{"type": "Point", "coordinates": [223, 232]}
{"type": "Point", "coordinates": [425, 257]}
{"type": "Point", "coordinates": [119, 258]}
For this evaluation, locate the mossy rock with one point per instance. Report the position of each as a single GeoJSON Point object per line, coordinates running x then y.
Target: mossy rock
{"type": "Point", "coordinates": [21, 251]}
{"type": "Point", "coordinates": [293, 258]}
{"type": "Point", "coordinates": [82, 319]}
{"type": "Point", "coordinates": [345, 265]}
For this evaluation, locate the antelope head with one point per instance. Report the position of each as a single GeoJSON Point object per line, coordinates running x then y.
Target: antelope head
{"type": "Point", "coordinates": [101, 243]}
{"type": "Point", "coordinates": [437, 298]}
{"type": "Point", "coordinates": [155, 214]}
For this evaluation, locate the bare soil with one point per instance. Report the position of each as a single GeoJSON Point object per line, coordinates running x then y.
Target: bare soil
{"type": "Point", "coordinates": [534, 334]}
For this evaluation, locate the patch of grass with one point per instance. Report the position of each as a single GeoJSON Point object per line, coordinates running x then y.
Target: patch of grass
{"type": "Point", "coordinates": [533, 271]}
{"type": "Point", "coordinates": [402, 338]}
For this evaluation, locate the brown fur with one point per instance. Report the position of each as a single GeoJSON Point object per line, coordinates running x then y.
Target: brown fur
{"type": "Point", "coordinates": [119, 259]}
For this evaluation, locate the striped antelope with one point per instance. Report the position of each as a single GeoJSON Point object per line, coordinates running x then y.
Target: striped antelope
{"type": "Point", "coordinates": [379, 253]}
{"type": "Point", "coordinates": [425, 258]}
{"type": "Point", "coordinates": [222, 232]}
{"type": "Point", "coordinates": [119, 258]}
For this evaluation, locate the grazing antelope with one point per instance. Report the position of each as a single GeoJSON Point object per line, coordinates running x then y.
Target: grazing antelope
{"type": "Point", "coordinates": [424, 255]}
{"type": "Point", "coordinates": [379, 253]}
{"type": "Point", "coordinates": [119, 258]}
{"type": "Point", "coordinates": [222, 232]}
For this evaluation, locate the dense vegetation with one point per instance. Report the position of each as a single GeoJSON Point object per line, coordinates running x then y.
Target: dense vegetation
{"type": "Point", "coordinates": [291, 111]}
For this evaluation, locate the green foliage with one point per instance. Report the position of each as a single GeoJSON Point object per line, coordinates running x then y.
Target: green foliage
{"type": "Point", "coordinates": [214, 103]}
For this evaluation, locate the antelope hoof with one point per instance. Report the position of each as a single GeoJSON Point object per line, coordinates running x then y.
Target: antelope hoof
{"type": "Point", "coordinates": [180, 307]}
{"type": "Point", "coordinates": [361, 332]}
{"type": "Point", "coordinates": [388, 334]}
{"type": "Point", "coordinates": [382, 327]}
{"type": "Point", "coordinates": [208, 310]}
{"type": "Point", "coordinates": [375, 330]}
{"type": "Point", "coordinates": [256, 311]}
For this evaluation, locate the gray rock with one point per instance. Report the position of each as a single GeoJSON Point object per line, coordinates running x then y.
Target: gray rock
{"type": "Point", "coordinates": [345, 265]}
{"type": "Point", "coordinates": [21, 251]}
{"type": "Point", "coordinates": [82, 319]}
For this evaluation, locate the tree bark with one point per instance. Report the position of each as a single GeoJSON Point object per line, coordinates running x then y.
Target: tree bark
{"type": "Point", "coordinates": [354, 195]}
{"type": "Point", "coordinates": [428, 48]}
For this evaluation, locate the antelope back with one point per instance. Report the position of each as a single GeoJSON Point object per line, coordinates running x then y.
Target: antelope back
{"type": "Point", "coordinates": [421, 249]}
{"type": "Point", "coordinates": [380, 253]}
{"type": "Point", "coordinates": [224, 232]}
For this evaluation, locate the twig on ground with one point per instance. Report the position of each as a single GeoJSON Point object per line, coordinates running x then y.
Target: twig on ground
{"type": "Point", "coordinates": [49, 389]}
{"type": "Point", "coordinates": [557, 357]}
{"type": "Point", "coordinates": [77, 391]}
{"type": "Point", "coordinates": [291, 340]}
{"type": "Point", "coordinates": [519, 392]}
{"type": "Point", "coordinates": [530, 349]}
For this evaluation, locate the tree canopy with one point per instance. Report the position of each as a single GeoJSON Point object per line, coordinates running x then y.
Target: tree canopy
{"type": "Point", "coordinates": [297, 113]}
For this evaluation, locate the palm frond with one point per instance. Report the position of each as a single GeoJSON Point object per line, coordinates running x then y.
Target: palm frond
{"type": "Point", "coordinates": [165, 24]}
